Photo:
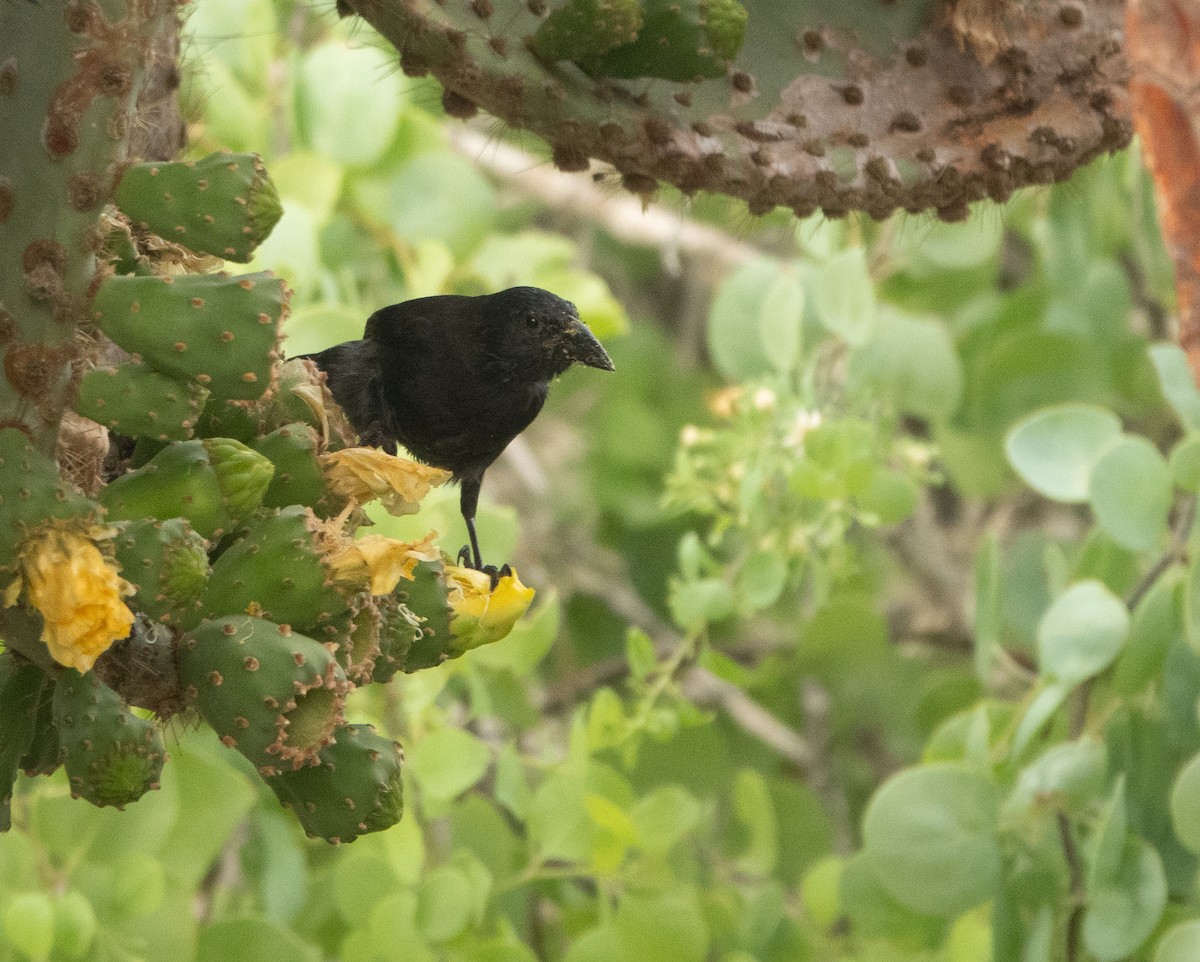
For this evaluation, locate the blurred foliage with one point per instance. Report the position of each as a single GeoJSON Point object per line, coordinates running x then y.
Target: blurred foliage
{"type": "Point", "coordinates": [930, 506]}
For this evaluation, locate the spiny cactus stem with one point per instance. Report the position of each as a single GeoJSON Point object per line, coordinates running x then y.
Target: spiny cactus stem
{"type": "Point", "coordinates": [69, 78]}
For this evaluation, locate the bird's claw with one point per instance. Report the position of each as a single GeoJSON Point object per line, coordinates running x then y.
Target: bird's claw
{"type": "Point", "coordinates": [464, 561]}
{"type": "Point", "coordinates": [464, 557]}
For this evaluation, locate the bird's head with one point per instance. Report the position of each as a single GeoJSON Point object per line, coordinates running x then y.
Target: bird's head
{"type": "Point", "coordinates": [542, 333]}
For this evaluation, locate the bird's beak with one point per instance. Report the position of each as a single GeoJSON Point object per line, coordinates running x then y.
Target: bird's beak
{"type": "Point", "coordinates": [583, 348]}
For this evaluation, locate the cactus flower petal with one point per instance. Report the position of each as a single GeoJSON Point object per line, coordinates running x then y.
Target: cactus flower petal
{"type": "Point", "coordinates": [77, 591]}
{"type": "Point", "coordinates": [364, 474]}
{"type": "Point", "coordinates": [480, 614]}
{"type": "Point", "coordinates": [381, 562]}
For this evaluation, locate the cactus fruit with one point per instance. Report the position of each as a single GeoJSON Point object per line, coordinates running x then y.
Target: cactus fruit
{"type": "Point", "coordinates": [276, 571]}
{"type": "Point", "coordinates": [426, 597]}
{"type": "Point", "coordinates": [134, 399]}
{"type": "Point", "coordinates": [398, 629]}
{"type": "Point", "coordinates": [212, 484]}
{"type": "Point", "coordinates": [582, 29]}
{"type": "Point", "coordinates": [31, 493]}
{"type": "Point", "coordinates": [112, 756]}
{"type": "Point", "coordinates": [825, 106]}
{"type": "Point", "coordinates": [358, 642]}
{"type": "Point", "coordinates": [298, 476]}
{"type": "Point", "coordinates": [354, 790]}
{"type": "Point", "coordinates": [269, 692]}
{"type": "Point", "coordinates": [217, 330]}
{"type": "Point", "coordinates": [23, 686]}
{"type": "Point", "coordinates": [168, 564]}
{"type": "Point", "coordinates": [223, 205]}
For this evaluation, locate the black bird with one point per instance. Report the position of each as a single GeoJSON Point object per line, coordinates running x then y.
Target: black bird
{"type": "Point", "coordinates": [454, 379]}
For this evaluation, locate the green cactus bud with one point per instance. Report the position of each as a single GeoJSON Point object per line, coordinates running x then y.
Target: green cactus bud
{"type": "Point", "coordinates": [356, 788]}
{"type": "Point", "coordinates": [134, 399]}
{"type": "Point", "coordinates": [298, 478]}
{"type": "Point", "coordinates": [23, 686]}
{"type": "Point", "coordinates": [398, 629]}
{"type": "Point", "coordinates": [680, 41]}
{"type": "Point", "coordinates": [269, 692]}
{"type": "Point", "coordinates": [276, 571]}
{"type": "Point", "coordinates": [217, 330]}
{"type": "Point", "coordinates": [213, 484]}
{"type": "Point", "coordinates": [112, 756]}
{"type": "Point", "coordinates": [31, 493]}
{"type": "Point", "coordinates": [168, 564]}
{"type": "Point", "coordinates": [581, 29]}
{"type": "Point", "coordinates": [224, 205]}
{"type": "Point", "coordinates": [426, 597]}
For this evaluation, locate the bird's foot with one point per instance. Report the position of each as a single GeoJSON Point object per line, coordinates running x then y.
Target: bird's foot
{"type": "Point", "coordinates": [464, 557]}
{"type": "Point", "coordinates": [496, 573]}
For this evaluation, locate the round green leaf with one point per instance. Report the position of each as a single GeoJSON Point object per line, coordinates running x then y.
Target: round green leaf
{"type": "Point", "coordinates": [1122, 913]}
{"type": "Point", "coordinates": [444, 904]}
{"type": "Point", "coordinates": [1185, 463]}
{"type": "Point", "coordinates": [912, 362]}
{"type": "Point", "coordinates": [332, 77]}
{"type": "Point", "coordinates": [29, 924]}
{"type": "Point", "coordinates": [1065, 777]}
{"type": "Point", "coordinates": [845, 296]}
{"type": "Point", "coordinates": [761, 579]}
{"type": "Point", "coordinates": [1156, 623]}
{"type": "Point", "coordinates": [929, 835]}
{"type": "Point", "coordinates": [780, 320]}
{"type": "Point", "coordinates": [1185, 805]}
{"type": "Point", "coordinates": [1082, 632]}
{"type": "Point", "coordinates": [1130, 491]}
{"type": "Point", "coordinates": [736, 339]}
{"type": "Point", "coordinates": [448, 761]}
{"type": "Point", "coordinates": [1181, 943]}
{"type": "Point", "coordinates": [1177, 383]}
{"type": "Point", "coordinates": [1053, 449]}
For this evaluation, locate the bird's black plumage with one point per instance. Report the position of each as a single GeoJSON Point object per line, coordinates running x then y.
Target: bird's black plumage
{"type": "Point", "coordinates": [454, 379]}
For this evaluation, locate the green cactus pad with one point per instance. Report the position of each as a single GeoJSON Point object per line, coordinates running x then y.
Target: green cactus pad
{"type": "Point", "coordinates": [31, 493]}
{"type": "Point", "coordinates": [398, 630]}
{"type": "Point", "coordinates": [217, 330]}
{"type": "Point", "coordinates": [228, 419]}
{"type": "Point", "coordinates": [112, 756]}
{"type": "Point", "coordinates": [356, 788]}
{"type": "Point", "coordinates": [213, 484]}
{"type": "Point", "coordinates": [425, 597]}
{"type": "Point", "coordinates": [277, 571]}
{"type": "Point", "coordinates": [298, 476]}
{"type": "Point", "coordinates": [681, 40]}
{"type": "Point", "coordinates": [23, 687]}
{"type": "Point", "coordinates": [134, 399]}
{"type": "Point", "coordinates": [223, 205]}
{"type": "Point", "coordinates": [168, 564]}
{"type": "Point", "coordinates": [269, 692]}
{"type": "Point", "coordinates": [581, 29]}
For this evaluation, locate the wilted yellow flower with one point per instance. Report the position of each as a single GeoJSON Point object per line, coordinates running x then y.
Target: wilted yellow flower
{"type": "Point", "coordinates": [479, 614]}
{"type": "Point", "coordinates": [77, 590]}
{"type": "Point", "coordinates": [364, 474]}
{"type": "Point", "coordinates": [380, 562]}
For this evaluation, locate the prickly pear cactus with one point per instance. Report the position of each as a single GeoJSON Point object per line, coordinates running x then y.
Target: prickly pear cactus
{"type": "Point", "coordinates": [870, 105]}
{"type": "Point", "coordinates": [217, 570]}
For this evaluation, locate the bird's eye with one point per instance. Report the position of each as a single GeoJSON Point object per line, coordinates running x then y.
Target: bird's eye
{"type": "Point", "coordinates": [533, 321]}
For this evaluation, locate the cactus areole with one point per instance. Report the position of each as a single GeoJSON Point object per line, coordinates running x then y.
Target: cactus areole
{"type": "Point", "coordinates": [872, 106]}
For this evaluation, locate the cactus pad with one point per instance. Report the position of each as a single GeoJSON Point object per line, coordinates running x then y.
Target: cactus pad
{"type": "Point", "coordinates": [168, 564]}
{"type": "Point", "coordinates": [223, 205]}
{"type": "Point", "coordinates": [134, 399]}
{"type": "Point", "coordinates": [217, 330]}
{"type": "Point", "coordinates": [426, 597]}
{"type": "Point", "coordinates": [826, 106]}
{"type": "Point", "coordinates": [298, 478]}
{"type": "Point", "coordinates": [269, 692]}
{"type": "Point", "coordinates": [23, 686]}
{"type": "Point", "coordinates": [398, 629]}
{"type": "Point", "coordinates": [112, 756]}
{"type": "Point", "coordinates": [354, 790]}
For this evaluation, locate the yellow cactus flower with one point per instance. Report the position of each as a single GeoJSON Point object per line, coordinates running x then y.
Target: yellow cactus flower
{"type": "Point", "coordinates": [77, 591]}
{"type": "Point", "coordinates": [479, 614]}
{"type": "Point", "coordinates": [364, 474]}
{"type": "Point", "coordinates": [380, 562]}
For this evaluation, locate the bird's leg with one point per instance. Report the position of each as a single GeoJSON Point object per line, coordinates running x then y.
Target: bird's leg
{"type": "Point", "coordinates": [468, 502]}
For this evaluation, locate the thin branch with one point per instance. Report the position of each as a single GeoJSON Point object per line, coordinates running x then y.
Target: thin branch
{"type": "Point", "coordinates": [1078, 896]}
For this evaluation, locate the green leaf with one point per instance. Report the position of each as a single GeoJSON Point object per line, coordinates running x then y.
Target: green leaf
{"type": "Point", "coordinates": [988, 615]}
{"type": "Point", "coordinates": [1122, 913]}
{"type": "Point", "coordinates": [1081, 633]}
{"type": "Point", "coordinates": [559, 825]}
{"type": "Point", "coordinates": [640, 653]}
{"type": "Point", "coordinates": [1185, 804]}
{"type": "Point", "coordinates": [1177, 383]}
{"type": "Point", "coordinates": [447, 762]}
{"type": "Point", "coordinates": [844, 296]}
{"type": "Point", "coordinates": [1130, 491]}
{"type": "Point", "coordinates": [695, 604]}
{"type": "Point", "coordinates": [1180, 943]}
{"type": "Point", "coordinates": [780, 320]}
{"type": "Point", "coordinates": [252, 938]}
{"type": "Point", "coordinates": [1157, 622]}
{"type": "Point", "coordinates": [658, 927]}
{"type": "Point", "coordinates": [1108, 838]}
{"type": "Point", "coordinates": [29, 924]}
{"type": "Point", "coordinates": [444, 904]}
{"type": "Point", "coordinates": [752, 803]}
{"type": "Point", "coordinates": [331, 76]}
{"type": "Point", "coordinates": [1054, 449]}
{"type": "Point", "coordinates": [1065, 777]}
{"type": "Point", "coordinates": [890, 496]}
{"type": "Point", "coordinates": [761, 580]}
{"type": "Point", "coordinates": [665, 816]}
{"type": "Point", "coordinates": [929, 834]}
{"type": "Point", "coordinates": [912, 362]}
{"type": "Point", "coordinates": [735, 337]}
{"type": "Point", "coordinates": [1185, 463]}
